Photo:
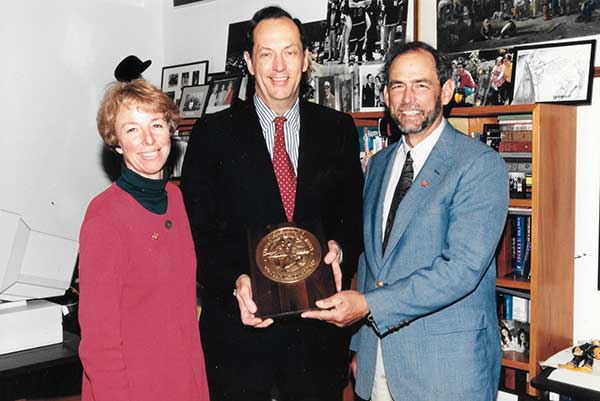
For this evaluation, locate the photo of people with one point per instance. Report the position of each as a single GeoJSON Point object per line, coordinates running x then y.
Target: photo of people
{"type": "Point", "coordinates": [371, 87]}
{"type": "Point", "coordinates": [185, 79]}
{"type": "Point", "coordinates": [223, 93]}
{"type": "Point", "coordinates": [362, 31]}
{"type": "Point", "coordinates": [173, 80]}
{"type": "Point", "coordinates": [176, 77]}
{"type": "Point", "coordinates": [482, 77]}
{"type": "Point", "coordinates": [193, 101]}
{"type": "Point", "coordinates": [466, 25]}
{"type": "Point", "coordinates": [326, 92]}
{"type": "Point", "coordinates": [344, 89]}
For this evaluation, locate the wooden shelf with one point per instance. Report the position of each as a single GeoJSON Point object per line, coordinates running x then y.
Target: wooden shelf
{"type": "Point", "coordinates": [522, 203]}
{"type": "Point", "coordinates": [515, 360]}
{"type": "Point", "coordinates": [514, 282]}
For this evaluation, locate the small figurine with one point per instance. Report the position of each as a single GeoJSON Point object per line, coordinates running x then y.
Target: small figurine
{"type": "Point", "coordinates": [585, 353]}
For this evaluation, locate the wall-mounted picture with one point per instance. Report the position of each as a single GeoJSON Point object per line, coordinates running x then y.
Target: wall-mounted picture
{"type": "Point", "coordinates": [490, 24]}
{"type": "Point", "coordinates": [223, 92]}
{"type": "Point", "coordinates": [177, 3]}
{"type": "Point", "coordinates": [554, 73]}
{"type": "Point", "coordinates": [344, 86]}
{"type": "Point", "coordinates": [193, 101]}
{"type": "Point", "coordinates": [482, 77]}
{"type": "Point", "coordinates": [326, 92]}
{"type": "Point", "coordinates": [175, 77]}
{"type": "Point", "coordinates": [371, 82]}
{"type": "Point", "coordinates": [350, 33]}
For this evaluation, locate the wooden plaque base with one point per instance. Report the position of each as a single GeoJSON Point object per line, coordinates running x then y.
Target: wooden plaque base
{"type": "Point", "coordinates": [275, 299]}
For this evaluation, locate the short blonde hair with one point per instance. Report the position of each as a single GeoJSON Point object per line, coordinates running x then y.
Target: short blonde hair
{"type": "Point", "coordinates": [137, 92]}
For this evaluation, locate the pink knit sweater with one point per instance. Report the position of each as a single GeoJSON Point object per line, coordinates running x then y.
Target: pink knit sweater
{"type": "Point", "coordinates": [137, 276]}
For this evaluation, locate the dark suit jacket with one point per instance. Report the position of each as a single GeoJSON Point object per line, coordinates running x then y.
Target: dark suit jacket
{"type": "Point", "coordinates": [229, 185]}
{"type": "Point", "coordinates": [368, 95]}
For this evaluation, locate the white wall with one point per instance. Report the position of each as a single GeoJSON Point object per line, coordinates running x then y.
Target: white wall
{"type": "Point", "coordinates": [57, 57]}
{"type": "Point", "coordinates": [587, 297]}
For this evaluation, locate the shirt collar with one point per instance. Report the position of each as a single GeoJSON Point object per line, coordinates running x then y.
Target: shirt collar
{"type": "Point", "coordinates": [421, 151]}
{"type": "Point", "coordinates": [267, 115]}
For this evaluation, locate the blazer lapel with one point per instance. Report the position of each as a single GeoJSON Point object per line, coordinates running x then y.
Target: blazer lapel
{"type": "Point", "coordinates": [306, 159]}
{"type": "Point", "coordinates": [253, 148]}
{"type": "Point", "coordinates": [427, 180]}
{"type": "Point", "coordinates": [374, 203]}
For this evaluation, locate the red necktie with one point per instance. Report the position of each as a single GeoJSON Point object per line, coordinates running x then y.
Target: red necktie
{"type": "Point", "coordinates": [284, 170]}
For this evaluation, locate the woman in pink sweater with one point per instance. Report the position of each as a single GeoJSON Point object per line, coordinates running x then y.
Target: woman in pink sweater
{"type": "Point", "coordinates": [137, 266]}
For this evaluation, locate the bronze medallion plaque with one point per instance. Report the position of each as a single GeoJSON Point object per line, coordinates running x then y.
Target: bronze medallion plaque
{"type": "Point", "coordinates": [288, 254]}
{"type": "Point", "coordinates": [286, 268]}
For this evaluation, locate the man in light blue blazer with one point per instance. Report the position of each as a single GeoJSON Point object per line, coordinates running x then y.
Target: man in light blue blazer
{"type": "Point", "coordinates": [435, 205]}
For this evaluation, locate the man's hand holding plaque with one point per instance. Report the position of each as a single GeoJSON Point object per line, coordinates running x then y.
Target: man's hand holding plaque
{"type": "Point", "coordinates": [288, 274]}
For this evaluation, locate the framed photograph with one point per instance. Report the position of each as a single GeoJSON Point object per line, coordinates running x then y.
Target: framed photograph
{"type": "Point", "coordinates": [482, 77]}
{"type": "Point", "coordinates": [554, 73]}
{"type": "Point", "coordinates": [175, 77]}
{"type": "Point", "coordinates": [343, 86]}
{"type": "Point", "coordinates": [177, 3]}
{"type": "Point", "coordinates": [371, 82]}
{"type": "Point", "coordinates": [326, 94]}
{"type": "Point", "coordinates": [470, 25]}
{"type": "Point", "coordinates": [223, 92]}
{"type": "Point", "coordinates": [193, 101]}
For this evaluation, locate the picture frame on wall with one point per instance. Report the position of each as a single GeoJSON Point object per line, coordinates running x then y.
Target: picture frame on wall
{"type": "Point", "coordinates": [478, 25]}
{"type": "Point", "coordinates": [554, 73]}
{"type": "Point", "coordinates": [193, 101]}
{"type": "Point", "coordinates": [326, 93]}
{"type": "Point", "coordinates": [222, 94]}
{"type": "Point", "coordinates": [177, 3]}
{"type": "Point", "coordinates": [175, 77]}
{"type": "Point", "coordinates": [371, 82]}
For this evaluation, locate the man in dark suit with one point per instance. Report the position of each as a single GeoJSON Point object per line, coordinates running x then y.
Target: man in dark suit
{"type": "Point", "coordinates": [435, 208]}
{"type": "Point", "coordinates": [230, 184]}
{"type": "Point", "coordinates": [368, 92]}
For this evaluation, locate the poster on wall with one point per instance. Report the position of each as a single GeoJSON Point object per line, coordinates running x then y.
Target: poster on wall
{"type": "Point", "coordinates": [469, 25]}
{"type": "Point", "coordinates": [350, 36]}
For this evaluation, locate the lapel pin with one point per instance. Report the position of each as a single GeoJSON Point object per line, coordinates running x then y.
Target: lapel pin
{"type": "Point", "coordinates": [155, 236]}
{"type": "Point", "coordinates": [424, 183]}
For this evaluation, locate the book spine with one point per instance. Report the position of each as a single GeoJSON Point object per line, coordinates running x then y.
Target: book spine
{"type": "Point", "coordinates": [520, 244]}
{"type": "Point", "coordinates": [508, 306]}
{"type": "Point", "coordinates": [515, 146]}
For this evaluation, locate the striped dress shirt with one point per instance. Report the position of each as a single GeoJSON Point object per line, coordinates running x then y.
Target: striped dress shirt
{"type": "Point", "coordinates": [291, 128]}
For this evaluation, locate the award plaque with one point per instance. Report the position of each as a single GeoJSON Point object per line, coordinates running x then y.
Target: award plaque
{"type": "Point", "coordinates": [287, 269]}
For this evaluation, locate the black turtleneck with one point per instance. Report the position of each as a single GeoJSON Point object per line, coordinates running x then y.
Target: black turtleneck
{"type": "Point", "coordinates": [151, 194]}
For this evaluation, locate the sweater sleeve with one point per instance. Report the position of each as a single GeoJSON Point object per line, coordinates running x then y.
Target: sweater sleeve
{"type": "Point", "coordinates": [101, 261]}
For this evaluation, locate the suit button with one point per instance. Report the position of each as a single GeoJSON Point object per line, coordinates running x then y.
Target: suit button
{"type": "Point", "coordinates": [380, 284]}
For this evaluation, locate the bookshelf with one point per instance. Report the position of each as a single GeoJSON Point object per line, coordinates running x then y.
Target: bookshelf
{"type": "Point", "coordinates": [552, 211]}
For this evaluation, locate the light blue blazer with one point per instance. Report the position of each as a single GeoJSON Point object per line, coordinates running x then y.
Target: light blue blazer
{"type": "Point", "coordinates": [436, 312]}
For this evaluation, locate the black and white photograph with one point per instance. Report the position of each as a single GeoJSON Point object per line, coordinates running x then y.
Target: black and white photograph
{"type": "Point", "coordinates": [223, 92]}
{"type": "Point", "coordinates": [175, 77]}
{"type": "Point", "coordinates": [344, 87]}
{"type": "Point", "coordinates": [193, 101]}
{"type": "Point", "coordinates": [482, 77]}
{"type": "Point", "coordinates": [352, 34]}
{"type": "Point", "coordinates": [371, 83]}
{"type": "Point", "coordinates": [358, 31]}
{"type": "Point", "coordinates": [485, 24]}
{"type": "Point", "coordinates": [178, 3]}
{"type": "Point", "coordinates": [554, 73]}
{"type": "Point", "coordinates": [326, 93]}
